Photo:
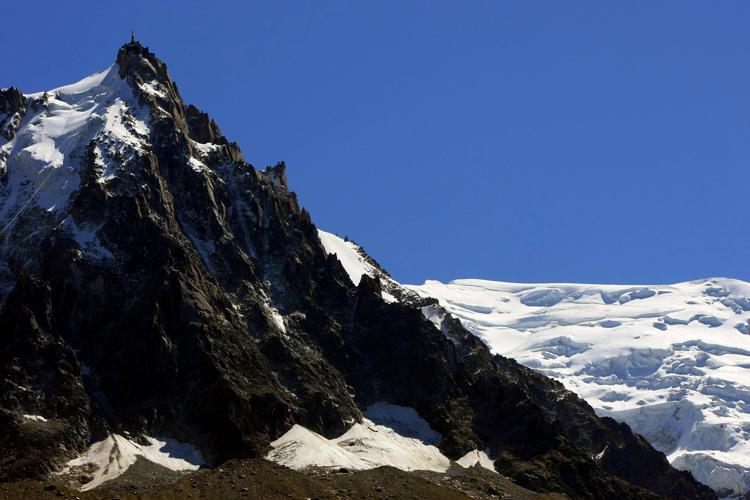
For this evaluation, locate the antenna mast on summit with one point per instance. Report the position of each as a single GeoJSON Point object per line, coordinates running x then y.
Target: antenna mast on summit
{"type": "Point", "coordinates": [132, 36]}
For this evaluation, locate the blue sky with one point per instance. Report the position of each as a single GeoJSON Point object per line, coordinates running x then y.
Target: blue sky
{"type": "Point", "coordinates": [579, 141]}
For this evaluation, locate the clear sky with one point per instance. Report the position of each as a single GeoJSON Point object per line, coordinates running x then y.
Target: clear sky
{"type": "Point", "coordinates": [587, 141]}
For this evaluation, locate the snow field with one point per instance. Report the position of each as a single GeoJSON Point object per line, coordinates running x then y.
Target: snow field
{"type": "Point", "coordinates": [672, 361]}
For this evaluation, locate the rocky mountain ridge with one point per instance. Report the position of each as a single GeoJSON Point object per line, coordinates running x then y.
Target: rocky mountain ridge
{"type": "Point", "coordinates": [156, 284]}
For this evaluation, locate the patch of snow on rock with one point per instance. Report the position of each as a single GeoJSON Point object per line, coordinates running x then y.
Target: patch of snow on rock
{"type": "Point", "coordinates": [397, 441]}
{"type": "Point", "coordinates": [346, 251]}
{"type": "Point", "coordinates": [277, 318]}
{"type": "Point", "coordinates": [86, 239]}
{"type": "Point", "coordinates": [152, 88]}
{"type": "Point", "coordinates": [111, 457]}
{"type": "Point", "coordinates": [477, 457]}
{"type": "Point", "coordinates": [354, 261]}
{"type": "Point", "coordinates": [35, 418]}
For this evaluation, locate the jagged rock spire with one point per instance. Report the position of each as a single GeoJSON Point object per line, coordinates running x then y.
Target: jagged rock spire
{"type": "Point", "coordinates": [12, 108]}
{"type": "Point", "coordinates": [155, 315]}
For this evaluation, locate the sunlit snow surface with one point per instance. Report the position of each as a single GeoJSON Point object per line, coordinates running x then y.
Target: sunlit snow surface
{"type": "Point", "coordinates": [347, 253]}
{"type": "Point", "coordinates": [97, 116]}
{"type": "Point", "coordinates": [111, 457]}
{"type": "Point", "coordinates": [44, 157]}
{"type": "Point", "coordinates": [477, 458]}
{"type": "Point", "coordinates": [671, 361]}
{"type": "Point", "coordinates": [355, 264]}
{"type": "Point", "coordinates": [389, 435]}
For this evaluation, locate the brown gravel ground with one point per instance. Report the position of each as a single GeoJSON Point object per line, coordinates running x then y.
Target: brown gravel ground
{"type": "Point", "coordinates": [261, 480]}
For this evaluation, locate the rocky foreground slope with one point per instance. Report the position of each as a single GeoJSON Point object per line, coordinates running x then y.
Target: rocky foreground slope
{"type": "Point", "coordinates": [163, 298]}
{"type": "Point", "coordinates": [262, 480]}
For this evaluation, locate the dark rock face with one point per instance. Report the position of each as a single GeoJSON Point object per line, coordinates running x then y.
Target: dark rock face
{"type": "Point", "coordinates": [12, 108]}
{"type": "Point", "coordinates": [39, 372]}
{"type": "Point", "coordinates": [202, 128]}
{"type": "Point", "coordinates": [173, 332]}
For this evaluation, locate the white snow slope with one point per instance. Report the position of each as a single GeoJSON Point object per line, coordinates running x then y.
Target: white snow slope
{"type": "Point", "coordinates": [352, 258]}
{"type": "Point", "coordinates": [673, 362]}
{"type": "Point", "coordinates": [348, 254]}
{"type": "Point", "coordinates": [111, 457]}
{"type": "Point", "coordinates": [44, 157]}
{"type": "Point", "coordinates": [389, 435]}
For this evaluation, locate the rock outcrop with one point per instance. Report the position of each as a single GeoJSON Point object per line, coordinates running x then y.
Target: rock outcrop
{"type": "Point", "coordinates": [12, 108]}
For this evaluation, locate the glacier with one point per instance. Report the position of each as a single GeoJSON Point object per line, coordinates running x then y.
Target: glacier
{"type": "Point", "coordinates": [671, 361]}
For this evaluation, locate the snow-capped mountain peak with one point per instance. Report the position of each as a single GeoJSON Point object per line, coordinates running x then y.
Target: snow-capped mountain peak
{"type": "Point", "coordinates": [154, 283]}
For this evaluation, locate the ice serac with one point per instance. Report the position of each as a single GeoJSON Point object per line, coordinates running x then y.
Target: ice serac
{"type": "Point", "coordinates": [156, 284]}
{"type": "Point", "coordinates": [671, 361]}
